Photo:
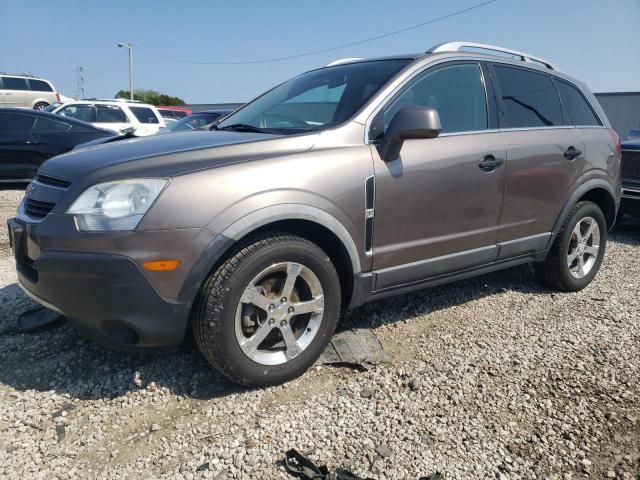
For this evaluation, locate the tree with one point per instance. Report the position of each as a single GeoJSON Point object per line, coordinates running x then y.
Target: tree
{"type": "Point", "coordinates": [151, 96]}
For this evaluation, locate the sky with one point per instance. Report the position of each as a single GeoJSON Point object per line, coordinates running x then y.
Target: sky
{"type": "Point", "coordinates": [593, 40]}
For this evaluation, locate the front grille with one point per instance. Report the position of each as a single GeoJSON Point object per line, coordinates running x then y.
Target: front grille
{"type": "Point", "coordinates": [37, 209]}
{"type": "Point", "coordinates": [52, 181]}
{"type": "Point", "coordinates": [630, 165]}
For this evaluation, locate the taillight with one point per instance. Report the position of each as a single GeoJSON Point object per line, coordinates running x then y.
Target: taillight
{"type": "Point", "coordinates": [57, 97]}
{"type": "Point", "coordinates": [616, 141]}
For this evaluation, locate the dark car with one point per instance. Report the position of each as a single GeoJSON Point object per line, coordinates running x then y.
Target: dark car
{"type": "Point", "coordinates": [631, 175]}
{"type": "Point", "coordinates": [197, 120]}
{"type": "Point", "coordinates": [28, 138]}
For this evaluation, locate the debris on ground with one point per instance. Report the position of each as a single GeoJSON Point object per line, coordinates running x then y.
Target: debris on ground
{"type": "Point", "coordinates": [357, 348]}
{"type": "Point", "coordinates": [301, 467]}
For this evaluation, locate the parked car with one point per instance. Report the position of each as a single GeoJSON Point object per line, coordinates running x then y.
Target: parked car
{"type": "Point", "coordinates": [173, 114]}
{"type": "Point", "coordinates": [196, 121]}
{"type": "Point", "coordinates": [25, 91]}
{"type": "Point", "coordinates": [28, 138]}
{"type": "Point", "coordinates": [353, 182]}
{"type": "Point", "coordinates": [631, 175]}
{"type": "Point", "coordinates": [115, 114]}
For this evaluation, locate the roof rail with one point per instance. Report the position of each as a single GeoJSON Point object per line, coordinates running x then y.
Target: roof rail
{"type": "Point", "coordinates": [27, 75]}
{"type": "Point", "coordinates": [458, 46]}
{"type": "Point", "coordinates": [125, 100]}
{"type": "Point", "coordinates": [343, 60]}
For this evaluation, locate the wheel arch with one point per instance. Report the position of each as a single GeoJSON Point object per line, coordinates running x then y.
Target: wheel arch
{"type": "Point", "coordinates": [311, 223]}
{"type": "Point", "coordinates": [597, 191]}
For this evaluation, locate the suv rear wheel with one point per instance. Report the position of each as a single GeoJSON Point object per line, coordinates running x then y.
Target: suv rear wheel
{"type": "Point", "coordinates": [577, 253]}
{"type": "Point", "coordinates": [40, 106]}
{"type": "Point", "coordinates": [267, 313]}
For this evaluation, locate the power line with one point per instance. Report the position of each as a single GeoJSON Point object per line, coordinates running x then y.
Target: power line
{"type": "Point", "coordinates": [324, 50]}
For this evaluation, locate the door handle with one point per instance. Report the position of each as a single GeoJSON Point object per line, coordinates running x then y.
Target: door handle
{"type": "Point", "coordinates": [571, 153]}
{"type": "Point", "coordinates": [490, 163]}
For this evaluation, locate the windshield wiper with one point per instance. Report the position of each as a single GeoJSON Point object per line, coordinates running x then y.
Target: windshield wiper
{"type": "Point", "coordinates": [243, 127]}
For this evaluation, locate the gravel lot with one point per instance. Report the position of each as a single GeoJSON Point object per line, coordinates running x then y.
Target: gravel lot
{"type": "Point", "coordinates": [490, 378]}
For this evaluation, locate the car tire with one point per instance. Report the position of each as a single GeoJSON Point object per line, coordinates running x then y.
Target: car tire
{"type": "Point", "coordinates": [256, 327]}
{"type": "Point", "coordinates": [577, 252]}
{"type": "Point", "coordinates": [40, 106]}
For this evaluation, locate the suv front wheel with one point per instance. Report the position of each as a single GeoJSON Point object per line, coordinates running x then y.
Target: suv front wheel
{"type": "Point", "coordinates": [577, 253]}
{"type": "Point", "coordinates": [266, 314]}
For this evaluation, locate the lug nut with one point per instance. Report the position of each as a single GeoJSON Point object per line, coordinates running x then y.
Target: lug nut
{"type": "Point", "coordinates": [272, 307]}
{"type": "Point", "coordinates": [271, 321]}
{"type": "Point", "coordinates": [291, 310]}
{"type": "Point", "coordinates": [283, 323]}
{"type": "Point", "coordinates": [283, 300]}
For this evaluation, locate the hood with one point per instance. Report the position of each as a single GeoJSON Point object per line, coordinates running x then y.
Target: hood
{"type": "Point", "coordinates": [169, 155]}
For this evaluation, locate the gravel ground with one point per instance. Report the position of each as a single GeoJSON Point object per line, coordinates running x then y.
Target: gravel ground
{"type": "Point", "coordinates": [490, 378]}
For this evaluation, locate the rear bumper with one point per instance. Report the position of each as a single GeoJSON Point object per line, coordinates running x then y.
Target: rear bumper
{"type": "Point", "coordinates": [107, 297]}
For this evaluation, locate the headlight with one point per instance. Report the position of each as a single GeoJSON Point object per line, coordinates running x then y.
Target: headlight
{"type": "Point", "coordinates": [118, 205]}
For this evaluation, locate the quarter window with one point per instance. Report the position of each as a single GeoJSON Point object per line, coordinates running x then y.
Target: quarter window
{"type": "Point", "coordinates": [144, 115]}
{"type": "Point", "coordinates": [455, 91]}
{"type": "Point", "coordinates": [580, 113]}
{"type": "Point", "coordinates": [40, 86]}
{"type": "Point", "coordinates": [45, 125]}
{"type": "Point", "coordinates": [530, 99]}
{"type": "Point", "coordinates": [14, 83]}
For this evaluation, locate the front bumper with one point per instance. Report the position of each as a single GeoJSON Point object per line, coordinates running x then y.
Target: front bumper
{"type": "Point", "coordinates": [108, 295]}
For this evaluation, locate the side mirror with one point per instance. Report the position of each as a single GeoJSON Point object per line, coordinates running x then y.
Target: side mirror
{"type": "Point", "coordinates": [408, 124]}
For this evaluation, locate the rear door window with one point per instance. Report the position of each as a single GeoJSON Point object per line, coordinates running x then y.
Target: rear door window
{"type": "Point", "coordinates": [110, 114]}
{"type": "Point", "coordinates": [40, 86]}
{"type": "Point", "coordinates": [144, 114]}
{"type": "Point", "coordinates": [455, 91]}
{"type": "Point", "coordinates": [16, 123]}
{"type": "Point", "coordinates": [530, 99]}
{"type": "Point", "coordinates": [580, 113]}
{"type": "Point", "coordinates": [14, 83]}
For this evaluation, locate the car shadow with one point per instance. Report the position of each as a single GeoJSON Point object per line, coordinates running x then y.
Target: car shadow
{"type": "Point", "coordinates": [13, 186]}
{"type": "Point", "coordinates": [59, 359]}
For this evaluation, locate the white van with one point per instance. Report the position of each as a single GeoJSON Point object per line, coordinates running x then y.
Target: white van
{"type": "Point", "coordinates": [23, 91]}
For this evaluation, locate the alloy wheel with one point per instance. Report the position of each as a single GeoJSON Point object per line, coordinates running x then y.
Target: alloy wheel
{"type": "Point", "coordinates": [279, 313]}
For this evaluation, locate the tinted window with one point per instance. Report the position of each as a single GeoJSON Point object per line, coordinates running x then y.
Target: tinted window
{"type": "Point", "coordinates": [530, 99]}
{"type": "Point", "coordinates": [13, 83]}
{"type": "Point", "coordinates": [455, 91]}
{"type": "Point", "coordinates": [580, 112]}
{"type": "Point", "coordinates": [318, 99]}
{"type": "Point", "coordinates": [110, 114]}
{"type": "Point", "coordinates": [40, 86]}
{"type": "Point", "coordinates": [15, 123]}
{"type": "Point", "coordinates": [179, 114]}
{"type": "Point", "coordinates": [144, 115]}
{"type": "Point", "coordinates": [166, 113]}
{"type": "Point", "coordinates": [46, 125]}
{"type": "Point", "coordinates": [79, 112]}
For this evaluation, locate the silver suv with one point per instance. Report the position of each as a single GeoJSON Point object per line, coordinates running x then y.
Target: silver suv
{"type": "Point", "coordinates": [24, 91]}
{"type": "Point", "coordinates": [348, 183]}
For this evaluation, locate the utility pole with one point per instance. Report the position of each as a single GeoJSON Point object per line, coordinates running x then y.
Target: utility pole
{"type": "Point", "coordinates": [130, 47]}
{"type": "Point", "coordinates": [79, 83]}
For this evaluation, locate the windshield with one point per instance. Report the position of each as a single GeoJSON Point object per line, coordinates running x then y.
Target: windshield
{"type": "Point", "coordinates": [315, 100]}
